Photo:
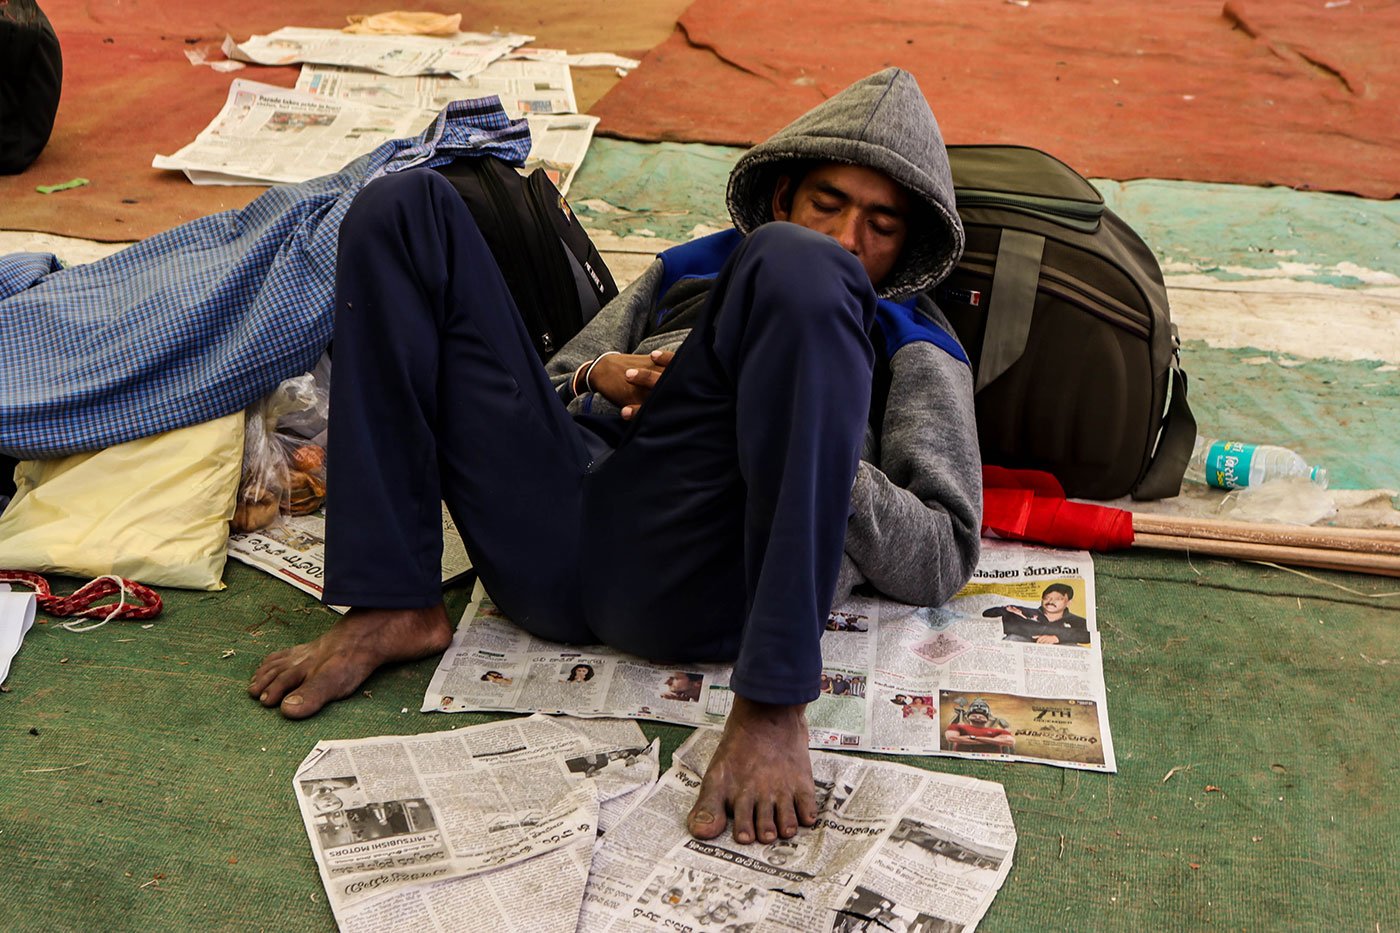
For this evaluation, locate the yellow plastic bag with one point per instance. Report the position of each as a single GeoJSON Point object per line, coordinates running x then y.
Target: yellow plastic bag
{"type": "Point", "coordinates": [402, 23]}
{"type": "Point", "coordinates": [155, 510]}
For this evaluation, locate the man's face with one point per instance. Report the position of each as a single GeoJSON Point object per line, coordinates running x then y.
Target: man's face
{"type": "Point", "coordinates": [864, 210]}
{"type": "Point", "coordinates": [1054, 603]}
{"type": "Point", "coordinates": [977, 718]}
{"type": "Point", "coordinates": [678, 682]}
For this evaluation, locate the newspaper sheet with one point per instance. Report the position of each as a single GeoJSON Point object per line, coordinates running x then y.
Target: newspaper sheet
{"type": "Point", "coordinates": [894, 848]}
{"type": "Point", "coordinates": [578, 60]}
{"type": "Point", "coordinates": [267, 135]}
{"type": "Point", "coordinates": [1011, 669]}
{"type": "Point", "coordinates": [558, 143]}
{"type": "Point", "coordinates": [523, 87]}
{"type": "Point", "coordinates": [293, 550]}
{"type": "Point", "coordinates": [16, 617]}
{"type": "Point", "coordinates": [445, 830]}
{"type": "Point", "coordinates": [462, 55]}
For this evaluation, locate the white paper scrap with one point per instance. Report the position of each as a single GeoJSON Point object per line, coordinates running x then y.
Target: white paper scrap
{"type": "Point", "coordinates": [16, 618]}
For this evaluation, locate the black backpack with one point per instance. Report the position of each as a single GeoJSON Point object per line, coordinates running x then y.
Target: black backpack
{"type": "Point", "coordinates": [553, 270]}
{"type": "Point", "coordinates": [31, 76]}
{"type": "Point", "coordinates": [1063, 312]}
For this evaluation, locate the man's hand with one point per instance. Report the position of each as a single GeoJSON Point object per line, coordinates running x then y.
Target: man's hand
{"type": "Point", "coordinates": [626, 379]}
{"type": "Point", "coordinates": [761, 773]}
{"type": "Point", "coordinates": [1017, 611]}
{"type": "Point", "coordinates": [1047, 639]}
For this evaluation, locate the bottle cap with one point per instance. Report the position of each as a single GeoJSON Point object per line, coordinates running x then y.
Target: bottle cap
{"type": "Point", "coordinates": [1319, 476]}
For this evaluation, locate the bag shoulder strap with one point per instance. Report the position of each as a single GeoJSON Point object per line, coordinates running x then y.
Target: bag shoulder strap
{"type": "Point", "coordinates": [1011, 305]}
{"type": "Point", "coordinates": [1162, 480]}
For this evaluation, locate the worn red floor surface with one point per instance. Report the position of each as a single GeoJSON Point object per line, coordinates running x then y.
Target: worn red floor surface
{"type": "Point", "coordinates": [129, 93]}
{"type": "Point", "coordinates": [1304, 93]}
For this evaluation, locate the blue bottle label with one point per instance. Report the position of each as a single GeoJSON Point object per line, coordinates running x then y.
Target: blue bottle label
{"type": "Point", "coordinates": [1227, 464]}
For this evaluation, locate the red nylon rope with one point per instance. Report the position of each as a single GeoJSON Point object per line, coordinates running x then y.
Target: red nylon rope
{"type": "Point", "coordinates": [79, 603]}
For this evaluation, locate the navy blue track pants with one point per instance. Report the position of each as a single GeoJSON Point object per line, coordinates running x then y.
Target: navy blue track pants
{"type": "Point", "coordinates": [712, 532]}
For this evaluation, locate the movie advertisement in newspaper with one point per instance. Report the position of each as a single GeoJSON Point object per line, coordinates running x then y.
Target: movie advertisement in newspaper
{"type": "Point", "coordinates": [1011, 668]}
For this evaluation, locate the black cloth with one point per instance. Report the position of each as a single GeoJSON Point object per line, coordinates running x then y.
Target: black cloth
{"type": "Point", "coordinates": [31, 77]}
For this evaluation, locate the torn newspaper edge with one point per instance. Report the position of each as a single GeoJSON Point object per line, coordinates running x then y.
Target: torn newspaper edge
{"type": "Point", "coordinates": [963, 680]}
{"type": "Point", "coordinates": [423, 831]}
{"type": "Point", "coordinates": [558, 144]}
{"type": "Point", "coordinates": [577, 60]}
{"type": "Point", "coordinates": [293, 550]}
{"type": "Point", "coordinates": [893, 848]}
{"type": "Point", "coordinates": [523, 87]}
{"type": "Point", "coordinates": [462, 55]}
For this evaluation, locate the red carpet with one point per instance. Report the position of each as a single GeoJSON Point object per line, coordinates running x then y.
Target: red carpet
{"type": "Point", "coordinates": [129, 93]}
{"type": "Point", "coordinates": [1286, 92]}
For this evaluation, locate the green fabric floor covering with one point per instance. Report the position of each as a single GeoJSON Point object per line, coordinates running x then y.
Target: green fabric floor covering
{"type": "Point", "coordinates": [1253, 710]}
{"type": "Point", "coordinates": [1253, 713]}
{"type": "Point", "coordinates": [1344, 416]}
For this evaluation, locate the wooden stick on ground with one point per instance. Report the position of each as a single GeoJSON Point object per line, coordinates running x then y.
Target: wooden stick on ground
{"type": "Point", "coordinates": [1325, 558]}
{"type": "Point", "coordinates": [1363, 540]}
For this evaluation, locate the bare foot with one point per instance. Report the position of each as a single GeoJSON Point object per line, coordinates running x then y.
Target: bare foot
{"type": "Point", "coordinates": [761, 773]}
{"type": "Point", "coordinates": [334, 665]}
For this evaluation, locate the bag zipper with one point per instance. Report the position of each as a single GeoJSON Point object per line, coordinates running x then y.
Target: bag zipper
{"type": "Point", "coordinates": [1082, 216]}
{"type": "Point", "coordinates": [1068, 288]}
{"type": "Point", "coordinates": [562, 298]}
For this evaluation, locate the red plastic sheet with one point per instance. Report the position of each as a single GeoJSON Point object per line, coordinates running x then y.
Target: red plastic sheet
{"type": "Point", "coordinates": [1288, 92]}
{"type": "Point", "coordinates": [1027, 505]}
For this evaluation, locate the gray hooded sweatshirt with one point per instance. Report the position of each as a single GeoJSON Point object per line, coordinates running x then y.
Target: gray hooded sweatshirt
{"type": "Point", "coordinates": [916, 503]}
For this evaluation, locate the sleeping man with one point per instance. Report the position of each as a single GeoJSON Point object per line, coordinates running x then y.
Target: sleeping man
{"type": "Point", "coordinates": [766, 418]}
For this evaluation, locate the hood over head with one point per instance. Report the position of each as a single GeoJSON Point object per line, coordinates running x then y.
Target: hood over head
{"type": "Point", "coordinates": [880, 122]}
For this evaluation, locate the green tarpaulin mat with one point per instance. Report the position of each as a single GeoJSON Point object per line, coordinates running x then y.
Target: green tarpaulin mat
{"type": "Point", "coordinates": [1253, 713]}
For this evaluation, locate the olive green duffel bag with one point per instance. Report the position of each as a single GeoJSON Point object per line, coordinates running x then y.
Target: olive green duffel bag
{"type": "Point", "coordinates": [1062, 309]}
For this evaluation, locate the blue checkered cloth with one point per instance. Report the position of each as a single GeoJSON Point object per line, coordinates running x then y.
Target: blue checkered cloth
{"type": "Point", "coordinates": [201, 320]}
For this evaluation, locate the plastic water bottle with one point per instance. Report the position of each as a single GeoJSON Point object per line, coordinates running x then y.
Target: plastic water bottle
{"type": "Point", "coordinates": [1231, 464]}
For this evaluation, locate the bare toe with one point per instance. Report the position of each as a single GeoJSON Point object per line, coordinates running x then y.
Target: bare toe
{"type": "Point", "coordinates": [285, 682]}
{"type": "Point", "coordinates": [707, 820]}
{"type": "Point", "coordinates": [764, 824]}
{"type": "Point", "coordinates": [743, 819]}
{"type": "Point", "coordinates": [266, 673]}
{"type": "Point", "coordinates": [323, 685]}
{"type": "Point", "coordinates": [807, 806]}
{"type": "Point", "coordinates": [297, 706]}
{"type": "Point", "coordinates": [786, 818]}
